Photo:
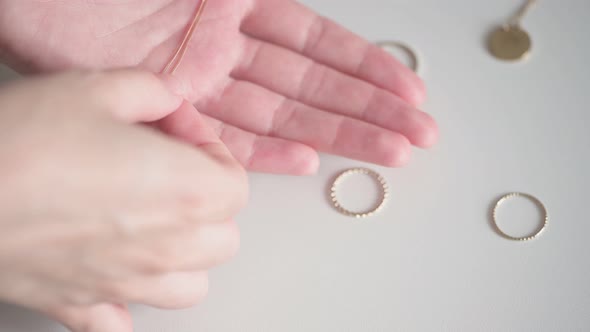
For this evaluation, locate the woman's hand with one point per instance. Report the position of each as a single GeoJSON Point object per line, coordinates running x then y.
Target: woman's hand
{"type": "Point", "coordinates": [97, 211]}
{"type": "Point", "coordinates": [276, 81]}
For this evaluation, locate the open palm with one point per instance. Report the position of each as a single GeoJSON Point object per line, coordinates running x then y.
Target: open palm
{"type": "Point", "coordinates": [276, 81]}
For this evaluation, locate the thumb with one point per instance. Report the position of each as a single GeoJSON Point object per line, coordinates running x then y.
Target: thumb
{"type": "Point", "coordinates": [133, 95]}
{"type": "Point", "coordinates": [187, 125]}
{"type": "Point", "coordinates": [96, 318]}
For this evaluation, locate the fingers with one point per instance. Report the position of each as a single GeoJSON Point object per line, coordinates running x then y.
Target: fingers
{"type": "Point", "coordinates": [97, 318]}
{"type": "Point", "coordinates": [172, 291]}
{"type": "Point", "coordinates": [266, 154]}
{"type": "Point", "coordinates": [210, 184]}
{"type": "Point", "coordinates": [127, 94]}
{"type": "Point", "coordinates": [179, 290]}
{"type": "Point", "coordinates": [166, 269]}
{"type": "Point", "coordinates": [134, 95]}
{"type": "Point", "coordinates": [188, 125]}
{"type": "Point", "coordinates": [293, 26]}
{"type": "Point", "coordinates": [316, 85]}
{"type": "Point", "coordinates": [162, 251]}
{"type": "Point", "coordinates": [256, 153]}
{"type": "Point", "coordinates": [263, 112]}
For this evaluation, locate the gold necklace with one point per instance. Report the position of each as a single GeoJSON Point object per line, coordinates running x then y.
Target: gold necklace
{"type": "Point", "coordinates": [181, 50]}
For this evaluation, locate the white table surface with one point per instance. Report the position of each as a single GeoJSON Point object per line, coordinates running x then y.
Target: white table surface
{"type": "Point", "coordinates": [431, 260]}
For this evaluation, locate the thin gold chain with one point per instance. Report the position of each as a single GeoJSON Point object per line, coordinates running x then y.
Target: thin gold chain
{"type": "Point", "coordinates": [182, 48]}
{"type": "Point", "coordinates": [517, 18]}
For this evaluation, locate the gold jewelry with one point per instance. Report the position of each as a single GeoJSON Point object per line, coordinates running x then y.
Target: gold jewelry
{"type": "Point", "coordinates": [510, 42]}
{"type": "Point", "coordinates": [533, 199]}
{"type": "Point", "coordinates": [181, 50]}
{"type": "Point", "coordinates": [378, 206]}
{"type": "Point", "coordinates": [414, 62]}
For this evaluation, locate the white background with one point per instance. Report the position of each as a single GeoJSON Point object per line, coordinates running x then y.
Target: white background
{"type": "Point", "coordinates": [431, 260]}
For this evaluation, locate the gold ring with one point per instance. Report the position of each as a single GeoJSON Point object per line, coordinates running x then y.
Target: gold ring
{"type": "Point", "coordinates": [378, 206]}
{"type": "Point", "coordinates": [533, 199]}
{"type": "Point", "coordinates": [415, 63]}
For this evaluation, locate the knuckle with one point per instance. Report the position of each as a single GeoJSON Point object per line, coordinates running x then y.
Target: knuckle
{"type": "Point", "coordinates": [168, 253]}
{"type": "Point", "coordinates": [160, 261]}
{"type": "Point", "coordinates": [187, 293]}
{"type": "Point", "coordinates": [232, 242]}
{"type": "Point", "coordinates": [169, 257]}
{"type": "Point", "coordinates": [113, 291]}
{"type": "Point", "coordinates": [244, 188]}
{"type": "Point", "coordinates": [210, 245]}
{"type": "Point", "coordinates": [199, 292]}
{"type": "Point", "coordinates": [226, 193]}
{"type": "Point", "coordinates": [239, 188]}
{"type": "Point", "coordinates": [80, 298]}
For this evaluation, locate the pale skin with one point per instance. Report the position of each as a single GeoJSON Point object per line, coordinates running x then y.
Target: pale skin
{"type": "Point", "coordinates": [274, 84]}
{"type": "Point", "coordinates": [276, 81]}
{"type": "Point", "coordinates": [98, 211]}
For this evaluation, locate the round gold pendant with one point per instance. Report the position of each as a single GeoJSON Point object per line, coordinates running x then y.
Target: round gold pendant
{"type": "Point", "coordinates": [510, 43]}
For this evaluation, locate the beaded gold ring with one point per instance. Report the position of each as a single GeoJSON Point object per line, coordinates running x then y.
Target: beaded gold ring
{"type": "Point", "coordinates": [378, 206]}
{"type": "Point", "coordinates": [536, 201]}
{"type": "Point", "coordinates": [390, 44]}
